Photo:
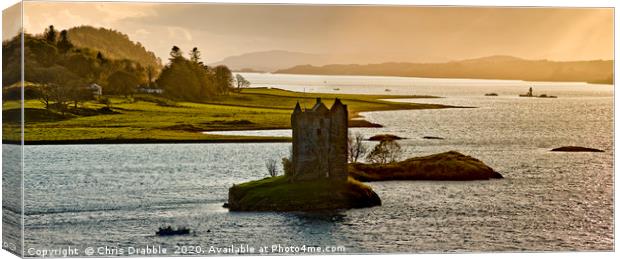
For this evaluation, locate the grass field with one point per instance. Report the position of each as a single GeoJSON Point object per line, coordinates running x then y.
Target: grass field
{"type": "Point", "coordinates": [146, 119]}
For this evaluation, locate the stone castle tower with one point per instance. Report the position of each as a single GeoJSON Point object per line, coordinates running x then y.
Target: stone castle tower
{"type": "Point", "coordinates": [320, 142]}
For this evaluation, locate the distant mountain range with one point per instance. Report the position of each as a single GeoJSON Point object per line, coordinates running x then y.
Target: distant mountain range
{"type": "Point", "coordinates": [273, 60]}
{"type": "Point", "coordinates": [269, 61]}
{"type": "Point", "coordinates": [493, 67]}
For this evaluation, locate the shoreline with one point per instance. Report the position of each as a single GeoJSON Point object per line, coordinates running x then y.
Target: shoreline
{"type": "Point", "coordinates": [356, 123]}
{"type": "Point", "coordinates": [146, 122]}
{"type": "Point", "coordinates": [147, 141]}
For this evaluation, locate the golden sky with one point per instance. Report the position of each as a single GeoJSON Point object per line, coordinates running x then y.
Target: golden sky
{"type": "Point", "coordinates": [352, 33]}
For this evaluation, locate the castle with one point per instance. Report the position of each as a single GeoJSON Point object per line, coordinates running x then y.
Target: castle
{"type": "Point", "coordinates": [320, 142]}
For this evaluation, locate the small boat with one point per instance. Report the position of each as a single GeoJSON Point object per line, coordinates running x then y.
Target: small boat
{"type": "Point", "coordinates": [336, 89]}
{"type": "Point", "coordinates": [490, 94]}
{"type": "Point", "coordinates": [388, 90]}
{"type": "Point", "coordinates": [547, 96]}
{"type": "Point", "coordinates": [169, 231]}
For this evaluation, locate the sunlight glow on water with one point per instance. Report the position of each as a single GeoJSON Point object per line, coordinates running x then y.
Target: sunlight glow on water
{"type": "Point", "coordinates": [120, 194]}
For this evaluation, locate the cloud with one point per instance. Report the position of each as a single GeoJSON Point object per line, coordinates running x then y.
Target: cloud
{"type": "Point", "coordinates": [39, 15]}
{"type": "Point", "coordinates": [11, 23]}
{"type": "Point", "coordinates": [142, 32]}
{"type": "Point", "coordinates": [175, 32]}
{"type": "Point", "coordinates": [370, 33]}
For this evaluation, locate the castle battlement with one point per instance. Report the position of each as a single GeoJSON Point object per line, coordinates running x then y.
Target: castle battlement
{"type": "Point", "coordinates": [320, 141]}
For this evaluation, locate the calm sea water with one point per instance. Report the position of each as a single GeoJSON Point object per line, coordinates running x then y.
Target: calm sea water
{"type": "Point", "coordinates": [118, 195]}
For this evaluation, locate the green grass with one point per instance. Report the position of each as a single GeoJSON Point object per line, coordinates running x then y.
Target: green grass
{"type": "Point", "coordinates": [148, 119]}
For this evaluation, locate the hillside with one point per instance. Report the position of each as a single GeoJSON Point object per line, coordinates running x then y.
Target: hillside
{"type": "Point", "coordinates": [494, 67]}
{"type": "Point", "coordinates": [112, 44]}
{"type": "Point", "coordinates": [56, 69]}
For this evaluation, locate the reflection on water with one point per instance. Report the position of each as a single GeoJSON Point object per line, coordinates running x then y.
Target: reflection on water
{"type": "Point", "coordinates": [255, 133]}
{"type": "Point", "coordinates": [12, 197]}
{"type": "Point", "coordinates": [120, 194]}
{"type": "Point", "coordinates": [422, 86]}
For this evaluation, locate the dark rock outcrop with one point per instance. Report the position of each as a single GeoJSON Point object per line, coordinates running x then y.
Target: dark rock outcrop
{"type": "Point", "coordinates": [382, 137]}
{"type": "Point", "coordinates": [447, 166]}
{"type": "Point", "coordinates": [576, 149]}
{"type": "Point", "coordinates": [282, 194]}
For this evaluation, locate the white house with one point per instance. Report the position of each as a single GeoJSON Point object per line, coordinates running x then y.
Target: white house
{"type": "Point", "coordinates": [150, 90]}
{"type": "Point", "coordinates": [96, 89]}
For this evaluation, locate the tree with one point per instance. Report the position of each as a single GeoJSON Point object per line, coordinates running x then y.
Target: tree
{"type": "Point", "coordinates": [194, 55]}
{"type": "Point", "coordinates": [79, 92]}
{"type": "Point", "coordinates": [223, 79]}
{"type": "Point", "coordinates": [85, 66]}
{"type": "Point", "coordinates": [356, 147]}
{"type": "Point", "coordinates": [50, 34]}
{"type": "Point", "coordinates": [55, 85]}
{"type": "Point", "coordinates": [181, 79]}
{"type": "Point", "coordinates": [64, 44]}
{"type": "Point", "coordinates": [241, 82]}
{"type": "Point", "coordinates": [176, 53]}
{"type": "Point", "coordinates": [387, 151]}
{"type": "Point", "coordinates": [190, 80]}
{"type": "Point", "coordinates": [287, 163]}
{"type": "Point", "coordinates": [100, 57]}
{"type": "Point", "coordinates": [272, 167]}
{"type": "Point", "coordinates": [121, 82]}
{"type": "Point", "coordinates": [150, 74]}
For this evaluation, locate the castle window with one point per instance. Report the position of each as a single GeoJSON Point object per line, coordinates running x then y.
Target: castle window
{"type": "Point", "coordinates": [318, 132]}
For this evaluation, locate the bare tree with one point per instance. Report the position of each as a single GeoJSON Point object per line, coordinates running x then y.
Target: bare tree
{"type": "Point", "coordinates": [356, 147]}
{"type": "Point", "coordinates": [241, 82]}
{"type": "Point", "coordinates": [387, 151]}
{"type": "Point", "coordinates": [55, 82]}
{"type": "Point", "coordinates": [272, 167]}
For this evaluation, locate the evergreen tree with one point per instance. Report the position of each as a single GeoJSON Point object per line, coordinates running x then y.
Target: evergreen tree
{"type": "Point", "coordinates": [64, 44]}
{"type": "Point", "coordinates": [50, 34]}
{"type": "Point", "coordinates": [194, 55]}
{"type": "Point", "coordinates": [175, 53]}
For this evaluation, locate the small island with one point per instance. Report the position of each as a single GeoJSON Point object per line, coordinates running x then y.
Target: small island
{"type": "Point", "coordinates": [447, 166]}
{"type": "Point", "coordinates": [382, 137]}
{"type": "Point", "coordinates": [281, 193]}
{"type": "Point", "coordinates": [316, 176]}
{"type": "Point", "coordinates": [576, 149]}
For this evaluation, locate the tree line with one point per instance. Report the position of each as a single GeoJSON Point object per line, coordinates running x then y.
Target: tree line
{"type": "Point", "coordinates": [190, 79]}
{"type": "Point", "coordinates": [60, 73]}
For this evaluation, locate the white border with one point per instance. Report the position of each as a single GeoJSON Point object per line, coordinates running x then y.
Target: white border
{"type": "Point", "coordinates": [556, 3]}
